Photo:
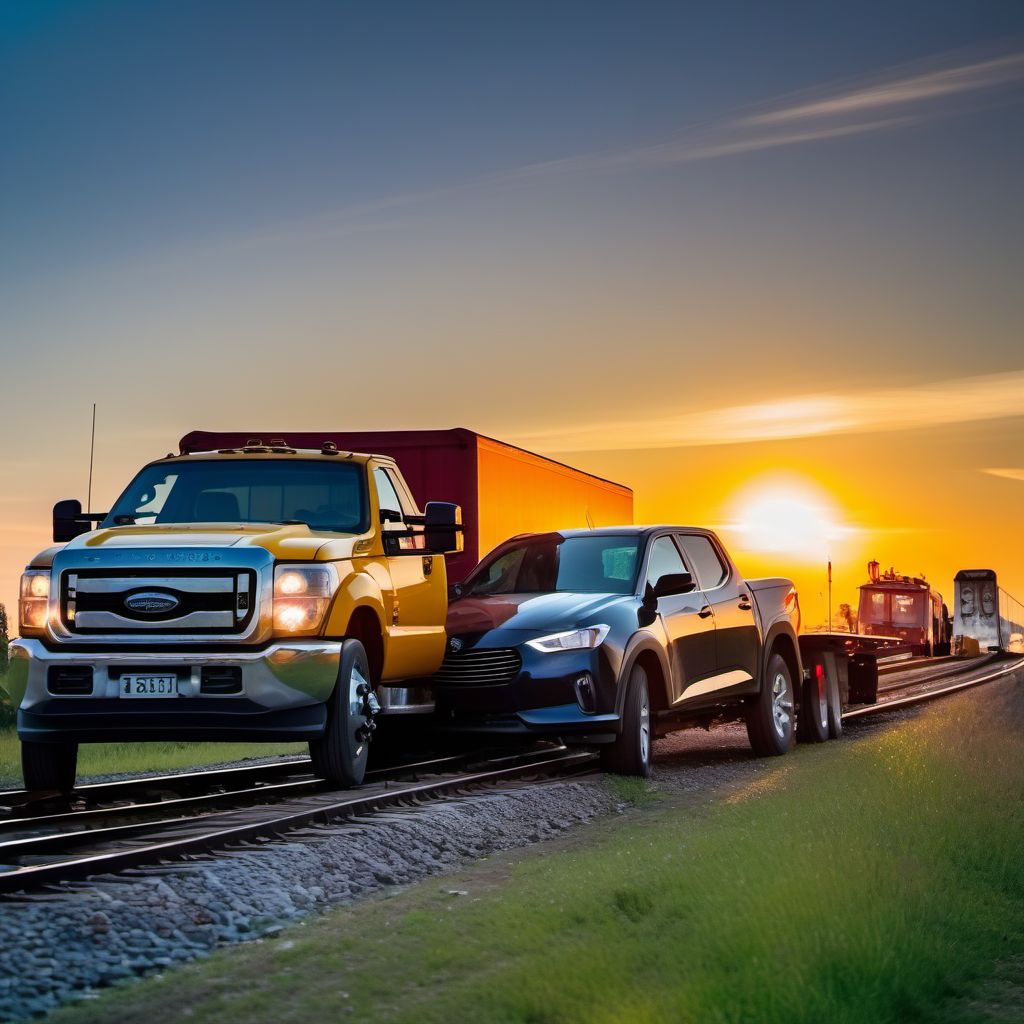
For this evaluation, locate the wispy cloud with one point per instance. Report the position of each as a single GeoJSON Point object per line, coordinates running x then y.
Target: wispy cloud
{"type": "Point", "coordinates": [901, 91]}
{"type": "Point", "coordinates": [1006, 474]}
{"type": "Point", "coordinates": [964, 400]}
{"type": "Point", "coordinates": [901, 96]}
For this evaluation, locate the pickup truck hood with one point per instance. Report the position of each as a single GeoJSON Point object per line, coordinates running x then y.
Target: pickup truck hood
{"type": "Point", "coordinates": [283, 542]}
{"type": "Point", "coordinates": [535, 613]}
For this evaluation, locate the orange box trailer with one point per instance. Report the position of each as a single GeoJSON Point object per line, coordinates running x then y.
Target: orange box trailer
{"type": "Point", "coordinates": [503, 490]}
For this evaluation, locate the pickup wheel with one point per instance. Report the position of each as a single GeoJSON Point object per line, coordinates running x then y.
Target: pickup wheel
{"type": "Point", "coordinates": [770, 723]}
{"type": "Point", "coordinates": [812, 723]}
{"type": "Point", "coordinates": [340, 756]}
{"type": "Point", "coordinates": [49, 766]}
{"type": "Point", "coordinates": [630, 754]}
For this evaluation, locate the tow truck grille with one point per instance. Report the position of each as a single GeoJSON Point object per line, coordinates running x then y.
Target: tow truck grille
{"type": "Point", "coordinates": [195, 601]}
{"type": "Point", "coordinates": [482, 667]}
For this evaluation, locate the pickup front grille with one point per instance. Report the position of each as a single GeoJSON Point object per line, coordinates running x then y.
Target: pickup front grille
{"type": "Point", "coordinates": [479, 667]}
{"type": "Point", "coordinates": [96, 602]}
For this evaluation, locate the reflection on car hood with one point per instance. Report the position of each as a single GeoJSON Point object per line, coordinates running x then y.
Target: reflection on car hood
{"type": "Point", "coordinates": [535, 613]}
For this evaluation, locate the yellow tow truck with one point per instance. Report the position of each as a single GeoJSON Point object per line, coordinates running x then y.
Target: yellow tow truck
{"type": "Point", "coordinates": [262, 592]}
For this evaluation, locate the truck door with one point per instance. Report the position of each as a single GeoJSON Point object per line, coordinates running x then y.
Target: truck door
{"type": "Point", "coordinates": [737, 640]}
{"type": "Point", "coordinates": [419, 596]}
{"type": "Point", "coordinates": [687, 618]}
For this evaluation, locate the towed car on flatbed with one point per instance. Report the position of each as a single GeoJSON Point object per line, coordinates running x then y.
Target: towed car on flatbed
{"type": "Point", "coordinates": [616, 636]}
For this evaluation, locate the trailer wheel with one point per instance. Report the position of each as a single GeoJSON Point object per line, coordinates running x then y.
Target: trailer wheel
{"type": "Point", "coordinates": [340, 756]}
{"type": "Point", "coordinates": [770, 720]}
{"type": "Point", "coordinates": [812, 723]}
{"type": "Point", "coordinates": [630, 754]}
{"type": "Point", "coordinates": [835, 709]}
{"type": "Point", "coordinates": [49, 766]}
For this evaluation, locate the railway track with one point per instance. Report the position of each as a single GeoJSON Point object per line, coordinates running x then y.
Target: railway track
{"type": "Point", "coordinates": [36, 850]}
{"type": "Point", "coordinates": [933, 693]}
{"type": "Point", "coordinates": [106, 827]}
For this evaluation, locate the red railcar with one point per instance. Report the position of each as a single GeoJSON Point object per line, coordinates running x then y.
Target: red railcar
{"type": "Point", "coordinates": [904, 607]}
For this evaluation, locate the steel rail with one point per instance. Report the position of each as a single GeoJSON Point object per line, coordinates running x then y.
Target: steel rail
{"type": "Point", "coordinates": [14, 797]}
{"type": "Point", "coordinates": [22, 877]}
{"type": "Point", "coordinates": [943, 673]}
{"type": "Point", "coordinates": [311, 783]}
{"type": "Point", "coordinates": [921, 698]}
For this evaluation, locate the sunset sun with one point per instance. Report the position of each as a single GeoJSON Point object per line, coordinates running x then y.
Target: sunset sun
{"type": "Point", "coordinates": [788, 517]}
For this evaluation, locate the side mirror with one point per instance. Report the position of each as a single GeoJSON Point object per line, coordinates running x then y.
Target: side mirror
{"type": "Point", "coordinates": [455, 591]}
{"type": "Point", "coordinates": [442, 527]}
{"type": "Point", "coordinates": [68, 521]}
{"type": "Point", "coordinates": [672, 584]}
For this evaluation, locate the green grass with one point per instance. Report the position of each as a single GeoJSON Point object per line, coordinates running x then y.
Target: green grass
{"type": "Point", "coordinates": [131, 758]}
{"type": "Point", "coordinates": [875, 880]}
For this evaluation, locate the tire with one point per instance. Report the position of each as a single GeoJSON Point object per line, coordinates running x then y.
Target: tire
{"type": "Point", "coordinates": [630, 754]}
{"type": "Point", "coordinates": [835, 709]}
{"type": "Point", "coordinates": [49, 766]}
{"type": "Point", "coordinates": [770, 721]}
{"type": "Point", "coordinates": [812, 722]}
{"type": "Point", "coordinates": [340, 755]}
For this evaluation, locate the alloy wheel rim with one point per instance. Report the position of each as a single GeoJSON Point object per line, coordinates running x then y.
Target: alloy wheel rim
{"type": "Point", "coordinates": [782, 704]}
{"type": "Point", "coordinates": [356, 718]}
{"type": "Point", "coordinates": [645, 731]}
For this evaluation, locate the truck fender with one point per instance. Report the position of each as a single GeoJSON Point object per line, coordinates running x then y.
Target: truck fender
{"type": "Point", "coordinates": [780, 629]}
{"type": "Point", "coordinates": [643, 644]}
{"type": "Point", "coordinates": [357, 590]}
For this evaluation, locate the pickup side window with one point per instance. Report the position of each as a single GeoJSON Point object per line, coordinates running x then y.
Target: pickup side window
{"type": "Point", "coordinates": [665, 560]}
{"type": "Point", "coordinates": [387, 496]}
{"type": "Point", "coordinates": [707, 564]}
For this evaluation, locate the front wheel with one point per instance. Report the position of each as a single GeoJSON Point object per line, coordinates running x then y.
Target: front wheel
{"type": "Point", "coordinates": [340, 756]}
{"type": "Point", "coordinates": [770, 721]}
{"type": "Point", "coordinates": [49, 766]}
{"type": "Point", "coordinates": [630, 754]}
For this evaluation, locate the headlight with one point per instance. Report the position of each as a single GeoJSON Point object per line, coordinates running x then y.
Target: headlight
{"type": "Point", "coordinates": [575, 640]}
{"type": "Point", "coordinates": [302, 594]}
{"type": "Point", "coordinates": [34, 600]}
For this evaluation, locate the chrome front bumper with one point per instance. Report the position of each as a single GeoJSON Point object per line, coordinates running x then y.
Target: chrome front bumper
{"type": "Point", "coordinates": [284, 675]}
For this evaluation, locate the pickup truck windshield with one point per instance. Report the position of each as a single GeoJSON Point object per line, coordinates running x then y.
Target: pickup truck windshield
{"type": "Point", "coordinates": [323, 495]}
{"type": "Point", "coordinates": [585, 565]}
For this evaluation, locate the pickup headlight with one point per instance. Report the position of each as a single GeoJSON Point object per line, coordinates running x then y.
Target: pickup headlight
{"type": "Point", "coordinates": [576, 640]}
{"type": "Point", "coordinates": [34, 600]}
{"type": "Point", "coordinates": [302, 595]}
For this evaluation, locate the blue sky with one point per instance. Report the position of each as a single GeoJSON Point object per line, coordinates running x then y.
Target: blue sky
{"type": "Point", "coordinates": [534, 219]}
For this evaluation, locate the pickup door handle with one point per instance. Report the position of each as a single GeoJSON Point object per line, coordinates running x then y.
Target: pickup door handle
{"type": "Point", "coordinates": [705, 611]}
{"type": "Point", "coordinates": [745, 604]}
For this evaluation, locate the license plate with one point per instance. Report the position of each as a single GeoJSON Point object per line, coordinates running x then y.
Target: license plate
{"type": "Point", "coordinates": [149, 686]}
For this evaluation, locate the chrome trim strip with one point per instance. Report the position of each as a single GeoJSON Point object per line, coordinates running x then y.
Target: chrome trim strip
{"type": "Point", "coordinates": [194, 620]}
{"type": "Point", "coordinates": [184, 584]}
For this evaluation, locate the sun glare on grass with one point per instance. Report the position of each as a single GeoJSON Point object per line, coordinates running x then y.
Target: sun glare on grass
{"type": "Point", "coordinates": [788, 517]}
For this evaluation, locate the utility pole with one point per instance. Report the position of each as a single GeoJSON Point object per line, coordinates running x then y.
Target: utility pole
{"type": "Point", "coordinates": [830, 595]}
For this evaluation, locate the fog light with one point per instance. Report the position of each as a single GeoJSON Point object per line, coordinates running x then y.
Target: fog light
{"type": "Point", "coordinates": [586, 697]}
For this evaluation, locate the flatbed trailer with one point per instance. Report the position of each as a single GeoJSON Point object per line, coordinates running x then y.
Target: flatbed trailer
{"type": "Point", "coordinates": [846, 665]}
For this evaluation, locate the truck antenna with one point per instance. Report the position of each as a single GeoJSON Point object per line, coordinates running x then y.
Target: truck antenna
{"type": "Point", "coordinates": [590, 520]}
{"type": "Point", "coordinates": [92, 453]}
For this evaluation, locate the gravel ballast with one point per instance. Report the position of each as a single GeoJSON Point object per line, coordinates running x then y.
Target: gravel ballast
{"type": "Point", "coordinates": [58, 946]}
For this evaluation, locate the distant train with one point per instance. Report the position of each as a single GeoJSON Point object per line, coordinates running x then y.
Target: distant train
{"type": "Point", "coordinates": [904, 607]}
{"type": "Point", "coordinates": [986, 612]}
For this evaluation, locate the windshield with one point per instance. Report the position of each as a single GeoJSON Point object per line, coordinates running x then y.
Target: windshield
{"type": "Point", "coordinates": [880, 607]}
{"type": "Point", "coordinates": [324, 495]}
{"type": "Point", "coordinates": [584, 565]}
